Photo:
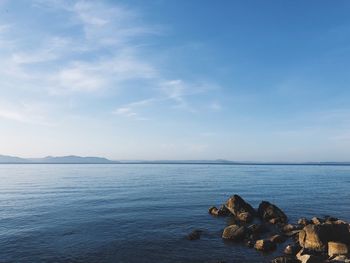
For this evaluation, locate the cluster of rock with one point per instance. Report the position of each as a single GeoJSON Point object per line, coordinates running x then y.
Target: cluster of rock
{"type": "Point", "coordinates": [315, 240]}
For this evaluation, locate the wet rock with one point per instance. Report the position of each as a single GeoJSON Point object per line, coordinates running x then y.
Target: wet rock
{"type": "Point", "coordinates": [213, 211]}
{"type": "Point", "coordinates": [330, 219]}
{"type": "Point", "coordinates": [270, 212]}
{"type": "Point", "coordinates": [264, 245]}
{"type": "Point", "coordinates": [303, 221]}
{"type": "Point", "coordinates": [277, 239]}
{"type": "Point", "coordinates": [223, 211]}
{"type": "Point", "coordinates": [284, 259]}
{"type": "Point", "coordinates": [316, 237]}
{"type": "Point", "coordinates": [290, 228]}
{"type": "Point", "coordinates": [240, 208]}
{"type": "Point", "coordinates": [194, 235]}
{"type": "Point", "coordinates": [307, 257]}
{"type": "Point", "coordinates": [245, 217]}
{"type": "Point", "coordinates": [257, 228]}
{"type": "Point", "coordinates": [234, 232]}
{"type": "Point", "coordinates": [340, 259]}
{"type": "Point", "coordinates": [336, 248]}
{"type": "Point", "coordinates": [292, 249]}
{"type": "Point", "coordinates": [317, 221]}
{"type": "Point", "coordinates": [249, 243]}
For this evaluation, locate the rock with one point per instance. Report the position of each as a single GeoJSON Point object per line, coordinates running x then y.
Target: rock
{"type": "Point", "coordinates": [292, 249]}
{"type": "Point", "coordinates": [290, 228]}
{"type": "Point", "coordinates": [249, 243]}
{"type": "Point", "coordinates": [316, 237]}
{"type": "Point", "coordinates": [245, 217]}
{"type": "Point", "coordinates": [194, 235]}
{"type": "Point", "coordinates": [330, 219]}
{"type": "Point", "coordinates": [264, 245]}
{"type": "Point", "coordinates": [258, 228]}
{"type": "Point", "coordinates": [234, 232]}
{"type": "Point", "coordinates": [303, 221]}
{"type": "Point", "coordinates": [284, 259]}
{"type": "Point", "coordinates": [340, 259]}
{"type": "Point", "coordinates": [317, 221]}
{"type": "Point", "coordinates": [223, 211]}
{"type": "Point", "coordinates": [270, 212]}
{"type": "Point", "coordinates": [292, 233]}
{"type": "Point", "coordinates": [277, 239]}
{"type": "Point", "coordinates": [240, 209]}
{"type": "Point", "coordinates": [304, 257]}
{"type": "Point", "coordinates": [336, 248]}
{"type": "Point", "coordinates": [213, 211]}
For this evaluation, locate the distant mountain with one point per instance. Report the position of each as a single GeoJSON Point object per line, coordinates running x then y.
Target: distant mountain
{"type": "Point", "coordinates": [72, 159]}
{"type": "Point", "coordinates": [11, 159]}
{"type": "Point", "coordinates": [62, 159]}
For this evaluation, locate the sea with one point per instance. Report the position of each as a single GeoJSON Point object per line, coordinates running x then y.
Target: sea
{"type": "Point", "coordinates": [142, 212]}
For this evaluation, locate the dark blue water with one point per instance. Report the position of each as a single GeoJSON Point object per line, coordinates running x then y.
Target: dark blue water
{"type": "Point", "coordinates": [141, 213]}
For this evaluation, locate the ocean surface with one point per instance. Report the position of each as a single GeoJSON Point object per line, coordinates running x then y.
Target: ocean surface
{"type": "Point", "coordinates": [142, 213]}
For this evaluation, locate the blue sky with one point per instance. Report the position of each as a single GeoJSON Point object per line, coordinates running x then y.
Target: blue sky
{"type": "Point", "coordinates": [190, 79]}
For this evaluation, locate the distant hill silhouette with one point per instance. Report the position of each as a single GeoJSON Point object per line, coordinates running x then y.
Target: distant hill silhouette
{"type": "Point", "coordinates": [51, 159]}
{"type": "Point", "coordinates": [72, 159]}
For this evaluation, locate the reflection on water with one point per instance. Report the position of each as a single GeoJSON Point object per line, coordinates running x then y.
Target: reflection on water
{"type": "Point", "coordinates": [141, 213]}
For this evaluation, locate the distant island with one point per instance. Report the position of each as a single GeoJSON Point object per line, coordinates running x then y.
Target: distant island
{"type": "Point", "coordinates": [73, 159]}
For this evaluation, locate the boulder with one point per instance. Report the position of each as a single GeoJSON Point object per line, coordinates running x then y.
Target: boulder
{"type": "Point", "coordinates": [336, 248]}
{"type": "Point", "coordinates": [234, 232]}
{"type": "Point", "coordinates": [284, 259]}
{"type": "Point", "coordinates": [270, 212]}
{"type": "Point", "coordinates": [194, 235]}
{"type": "Point", "coordinates": [240, 208]}
{"type": "Point", "coordinates": [265, 245]}
{"type": "Point", "coordinates": [316, 237]}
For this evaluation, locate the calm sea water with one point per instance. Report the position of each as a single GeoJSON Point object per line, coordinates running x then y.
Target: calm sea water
{"type": "Point", "coordinates": [141, 213]}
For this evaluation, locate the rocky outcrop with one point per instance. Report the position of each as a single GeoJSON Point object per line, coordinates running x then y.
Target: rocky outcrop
{"type": "Point", "coordinates": [271, 213]}
{"type": "Point", "coordinates": [240, 208]}
{"type": "Point", "coordinates": [317, 240]}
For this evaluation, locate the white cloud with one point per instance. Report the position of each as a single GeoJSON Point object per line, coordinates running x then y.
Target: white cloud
{"type": "Point", "coordinates": [29, 113]}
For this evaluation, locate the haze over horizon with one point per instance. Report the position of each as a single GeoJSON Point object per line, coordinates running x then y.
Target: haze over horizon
{"type": "Point", "coordinates": [175, 80]}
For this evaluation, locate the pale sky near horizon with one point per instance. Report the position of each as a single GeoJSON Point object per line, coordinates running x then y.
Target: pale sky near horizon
{"type": "Point", "coordinates": [184, 79]}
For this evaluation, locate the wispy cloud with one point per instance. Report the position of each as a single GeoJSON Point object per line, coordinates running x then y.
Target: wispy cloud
{"type": "Point", "coordinates": [103, 55]}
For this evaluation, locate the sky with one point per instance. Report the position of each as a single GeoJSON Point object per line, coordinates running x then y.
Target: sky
{"type": "Point", "coordinates": [185, 79]}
